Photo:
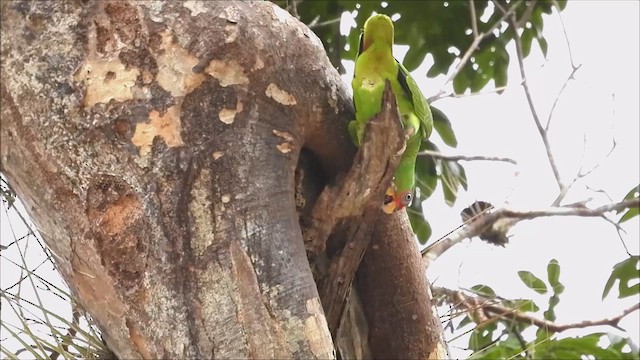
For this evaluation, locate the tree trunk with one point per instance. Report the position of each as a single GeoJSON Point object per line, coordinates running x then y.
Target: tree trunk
{"type": "Point", "coordinates": [155, 145]}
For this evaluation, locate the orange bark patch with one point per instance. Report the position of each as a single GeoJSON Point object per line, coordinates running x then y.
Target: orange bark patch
{"type": "Point", "coordinates": [106, 80]}
{"type": "Point", "coordinates": [227, 72]}
{"type": "Point", "coordinates": [118, 230]}
{"type": "Point", "coordinates": [279, 95]}
{"type": "Point", "coordinates": [287, 146]}
{"type": "Point", "coordinates": [175, 66]}
{"type": "Point", "coordinates": [139, 340]}
{"type": "Point", "coordinates": [227, 116]}
{"type": "Point", "coordinates": [166, 126]}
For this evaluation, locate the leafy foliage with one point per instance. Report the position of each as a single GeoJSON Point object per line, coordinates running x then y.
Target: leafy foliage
{"type": "Point", "coordinates": [625, 272]}
{"type": "Point", "coordinates": [502, 339]}
{"type": "Point", "coordinates": [442, 29]}
{"type": "Point", "coordinates": [533, 282]}
{"type": "Point", "coordinates": [632, 212]}
{"type": "Point", "coordinates": [429, 171]}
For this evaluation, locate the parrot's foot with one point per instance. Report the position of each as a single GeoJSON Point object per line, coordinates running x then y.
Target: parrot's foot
{"type": "Point", "coordinates": [409, 132]}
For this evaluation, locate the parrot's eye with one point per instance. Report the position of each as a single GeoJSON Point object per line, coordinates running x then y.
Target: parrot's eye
{"type": "Point", "coordinates": [406, 199]}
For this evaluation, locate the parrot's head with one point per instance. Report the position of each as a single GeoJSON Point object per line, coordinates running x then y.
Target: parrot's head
{"type": "Point", "coordinates": [378, 27]}
{"type": "Point", "coordinates": [394, 201]}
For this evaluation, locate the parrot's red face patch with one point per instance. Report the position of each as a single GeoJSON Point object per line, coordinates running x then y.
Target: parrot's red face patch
{"type": "Point", "coordinates": [396, 201]}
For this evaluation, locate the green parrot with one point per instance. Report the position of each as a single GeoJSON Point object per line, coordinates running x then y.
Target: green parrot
{"type": "Point", "coordinates": [375, 64]}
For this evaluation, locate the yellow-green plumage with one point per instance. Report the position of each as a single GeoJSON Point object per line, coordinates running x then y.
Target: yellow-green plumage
{"type": "Point", "coordinates": [375, 64]}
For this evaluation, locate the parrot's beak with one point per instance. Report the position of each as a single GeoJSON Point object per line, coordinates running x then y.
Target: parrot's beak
{"type": "Point", "coordinates": [390, 204]}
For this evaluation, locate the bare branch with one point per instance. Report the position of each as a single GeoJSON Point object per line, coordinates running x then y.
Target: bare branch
{"type": "Point", "coordinates": [452, 94]}
{"type": "Point", "coordinates": [494, 312]}
{"type": "Point", "coordinates": [555, 102]}
{"type": "Point", "coordinates": [293, 8]}
{"type": "Point", "coordinates": [505, 218]}
{"type": "Point", "coordinates": [474, 19]}
{"type": "Point", "coordinates": [567, 211]}
{"type": "Point", "coordinates": [527, 14]}
{"type": "Point", "coordinates": [614, 144]}
{"type": "Point", "coordinates": [358, 196]}
{"type": "Point", "coordinates": [437, 155]}
{"type": "Point", "coordinates": [534, 113]}
{"type": "Point", "coordinates": [315, 24]}
{"type": "Point", "coordinates": [566, 37]}
{"type": "Point", "coordinates": [581, 172]}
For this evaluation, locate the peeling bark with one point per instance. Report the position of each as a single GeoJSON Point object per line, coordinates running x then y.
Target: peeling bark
{"type": "Point", "coordinates": [156, 145]}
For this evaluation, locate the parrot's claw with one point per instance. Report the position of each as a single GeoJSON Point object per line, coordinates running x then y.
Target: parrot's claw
{"type": "Point", "coordinates": [408, 133]}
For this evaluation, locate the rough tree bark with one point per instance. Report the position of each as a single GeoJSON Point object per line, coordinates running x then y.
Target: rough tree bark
{"type": "Point", "coordinates": [155, 145]}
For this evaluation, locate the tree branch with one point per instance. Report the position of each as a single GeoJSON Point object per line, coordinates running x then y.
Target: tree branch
{"type": "Point", "coordinates": [357, 196]}
{"type": "Point", "coordinates": [372, 169]}
{"type": "Point", "coordinates": [534, 113]}
{"type": "Point", "coordinates": [474, 19]}
{"type": "Point", "coordinates": [494, 312]}
{"type": "Point", "coordinates": [555, 102]}
{"type": "Point", "coordinates": [505, 218]}
{"type": "Point", "coordinates": [437, 155]}
{"type": "Point", "coordinates": [566, 37]}
{"type": "Point", "coordinates": [293, 8]}
{"type": "Point", "coordinates": [315, 24]}
{"type": "Point", "coordinates": [452, 94]}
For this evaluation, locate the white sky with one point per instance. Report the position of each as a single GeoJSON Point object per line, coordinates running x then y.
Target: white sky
{"type": "Point", "coordinates": [604, 39]}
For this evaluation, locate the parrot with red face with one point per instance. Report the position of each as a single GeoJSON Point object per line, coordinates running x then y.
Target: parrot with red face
{"type": "Point", "coordinates": [375, 64]}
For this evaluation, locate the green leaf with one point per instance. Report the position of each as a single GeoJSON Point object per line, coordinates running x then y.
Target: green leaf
{"type": "Point", "coordinates": [550, 313]}
{"type": "Point", "coordinates": [632, 212]}
{"type": "Point", "coordinates": [523, 305]}
{"type": "Point", "coordinates": [542, 42]}
{"type": "Point", "coordinates": [483, 290]}
{"type": "Point", "coordinates": [532, 282]}
{"type": "Point", "coordinates": [481, 337]}
{"type": "Point", "coordinates": [419, 224]}
{"type": "Point", "coordinates": [463, 176]}
{"type": "Point", "coordinates": [466, 321]}
{"type": "Point", "coordinates": [526, 39]}
{"type": "Point", "coordinates": [415, 56]}
{"type": "Point", "coordinates": [426, 173]}
{"type": "Point", "coordinates": [553, 275]}
{"type": "Point", "coordinates": [624, 272]}
{"type": "Point", "coordinates": [460, 83]}
{"type": "Point", "coordinates": [443, 126]}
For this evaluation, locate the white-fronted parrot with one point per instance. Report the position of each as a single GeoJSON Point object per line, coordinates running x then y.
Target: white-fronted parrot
{"type": "Point", "coordinates": [375, 64]}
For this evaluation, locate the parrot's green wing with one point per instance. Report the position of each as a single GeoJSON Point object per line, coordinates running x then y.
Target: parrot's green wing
{"type": "Point", "coordinates": [420, 105]}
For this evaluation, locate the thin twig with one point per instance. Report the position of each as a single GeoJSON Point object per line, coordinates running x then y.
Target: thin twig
{"type": "Point", "coordinates": [437, 155]}
{"type": "Point", "coordinates": [527, 14]}
{"type": "Point", "coordinates": [581, 173]}
{"type": "Point", "coordinates": [315, 24]}
{"type": "Point", "coordinates": [452, 94]}
{"type": "Point", "coordinates": [555, 102]}
{"type": "Point", "coordinates": [534, 112]}
{"type": "Point", "coordinates": [293, 8]}
{"type": "Point", "coordinates": [474, 20]}
{"type": "Point", "coordinates": [566, 37]}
